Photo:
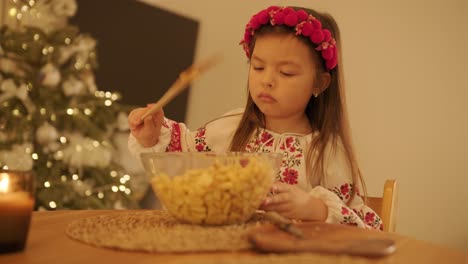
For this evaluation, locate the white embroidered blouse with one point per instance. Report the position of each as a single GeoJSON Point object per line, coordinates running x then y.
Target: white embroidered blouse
{"type": "Point", "coordinates": [216, 136]}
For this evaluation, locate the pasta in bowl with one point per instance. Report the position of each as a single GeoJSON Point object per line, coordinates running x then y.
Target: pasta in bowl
{"type": "Point", "coordinates": [212, 189]}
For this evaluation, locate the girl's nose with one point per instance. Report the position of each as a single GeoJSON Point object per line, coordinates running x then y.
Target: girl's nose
{"type": "Point", "coordinates": [268, 79]}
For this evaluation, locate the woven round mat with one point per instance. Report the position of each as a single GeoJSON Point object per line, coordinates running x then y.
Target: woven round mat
{"type": "Point", "coordinates": [156, 231]}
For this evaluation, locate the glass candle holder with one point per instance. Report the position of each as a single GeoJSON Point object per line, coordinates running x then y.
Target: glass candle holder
{"type": "Point", "coordinates": [16, 206]}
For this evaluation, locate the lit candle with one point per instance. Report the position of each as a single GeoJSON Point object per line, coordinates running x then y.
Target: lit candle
{"type": "Point", "coordinates": [16, 205]}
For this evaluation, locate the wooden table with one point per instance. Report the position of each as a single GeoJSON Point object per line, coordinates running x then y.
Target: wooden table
{"type": "Point", "coordinates": [48, 243]}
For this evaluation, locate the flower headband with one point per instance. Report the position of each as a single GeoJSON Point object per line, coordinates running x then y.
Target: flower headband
{"type": "Point", "coordinates": [305, 25]}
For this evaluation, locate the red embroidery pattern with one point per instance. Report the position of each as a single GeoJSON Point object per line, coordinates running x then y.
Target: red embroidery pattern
{"type": "Point", "coordinates": [344, 191]}
{"type": "Point", "coordinates": [174, 145]}
{"type": "Point", "coordinates": [290, 176]}
{"type": "Point", "coordinates": [372, 219]}
{"type": "Point", "coordinates": [200, 140]}
{"type": "Point", "coordinates": [291, 160]}
{"type": "Point", "coordinates": [348, 217]}
{"type": "Point", "coordinates": [292, 154]}
{"type": "Point", "coordinates": [254, 144]}
{"type": "Point", "coordinates": [266, 138]}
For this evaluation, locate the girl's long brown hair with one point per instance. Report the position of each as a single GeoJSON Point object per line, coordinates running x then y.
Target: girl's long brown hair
{"type": "Point", "coordinates": [326, 113]}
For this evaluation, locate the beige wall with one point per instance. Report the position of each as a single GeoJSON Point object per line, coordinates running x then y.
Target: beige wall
{"type": "Point", "coordinates": [406, 66]}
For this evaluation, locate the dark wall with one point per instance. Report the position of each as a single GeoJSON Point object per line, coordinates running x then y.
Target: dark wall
{"type": "Point", "coordinates": [141, 49]}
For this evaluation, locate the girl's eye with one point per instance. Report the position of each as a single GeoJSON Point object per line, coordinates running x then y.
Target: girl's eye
{"type": "Point", "coordinates": [287, 74]}
{"type": "Point", "coordinates": [257, 68]}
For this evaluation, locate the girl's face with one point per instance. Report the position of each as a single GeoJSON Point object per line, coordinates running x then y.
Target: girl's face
{"type": "Point", "coordinates": [282, 76]}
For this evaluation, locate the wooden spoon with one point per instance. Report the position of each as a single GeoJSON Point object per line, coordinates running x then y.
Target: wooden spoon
{"type": "Point", "coordinates": [185, 78]}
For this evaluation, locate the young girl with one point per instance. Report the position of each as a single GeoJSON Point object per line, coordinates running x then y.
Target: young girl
{"type": "Point", "coordinates": [295, 107]}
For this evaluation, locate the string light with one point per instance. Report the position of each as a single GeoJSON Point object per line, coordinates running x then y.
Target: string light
{"type": "Point", "coordinates": [58, 155]}
{"type": "Point", "coordinates": [52, 205]}
{"type": "Point", "coordinates": [122, 188]}
{"type": "Point", "coordinates": [124, 179]}
{"type": "Point", "coordinates": [70, 111]}
{"type": "Point", "coordinates": [63, 178]}
{"type": "Point", "coordinates": [88, 192]}
{"type": "Point", "coordinates": [63, 140]}
{"type": "Point", "coordinates": [49, 164]}
{"type": "Point", "coordinates": [36, 37]}
{"type": "Point", "coordinates": [113, 174]}
{"type": "Point", "coordinates": [115, 189]}
{"type": "Point", "coordinates": [35, 156]}
{"type": "Point", "coordinates": [87, 111]}
{"type": "Point", "coordinates": [67, 41]}
{"type": "Point", "coordinates": [100, 195]}
{"type": "Point", "coordinates": [46, 184]}
{"type": "Point", "coordinates": [75, 177]}
{"type": "Point", "coordinates": [12, 12]}
{"type": "Point", "coordinates": [107, 102]}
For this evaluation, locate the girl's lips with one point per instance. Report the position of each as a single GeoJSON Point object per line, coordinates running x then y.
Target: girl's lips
{"type": "Point", "coordinates": [266, 97]}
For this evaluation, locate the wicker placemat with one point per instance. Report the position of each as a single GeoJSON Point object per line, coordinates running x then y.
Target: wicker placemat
{"type": "Point", "coordinates": [156, 231]}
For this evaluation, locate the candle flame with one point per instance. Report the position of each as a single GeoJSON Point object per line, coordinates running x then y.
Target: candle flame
{"type": "Point", "coordinates": [4, 182]}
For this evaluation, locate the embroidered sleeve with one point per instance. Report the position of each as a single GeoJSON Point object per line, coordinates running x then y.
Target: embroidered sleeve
{"type": "Point", "coordinates": [215, 136]}
{"type": "Point", "coordinates": [336, 192]}
{"type": "Point", "coordinates": [357, 213]}
{"type": "Point", "coordinates": [170, 139]}
{"type": "Point", "coordinates": [175, 142]}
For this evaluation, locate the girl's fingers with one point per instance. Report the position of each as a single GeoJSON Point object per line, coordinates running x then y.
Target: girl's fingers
{"type": "Point", "coordinates": [158, 118]}
{"type": "Point", "coordinates": [280, 187]}
{"type": "Point", "coordinates": [149, 122]}
{"type": "Point", "coordinates": [134, 120]}
{"type": "Point", "coordinates": [277, 199]}
{"type": "Point", "coordinates": [283, 208]}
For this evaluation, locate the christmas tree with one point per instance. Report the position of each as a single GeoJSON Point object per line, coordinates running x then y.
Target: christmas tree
{"type": "Point", "coordinates": [53, 119]}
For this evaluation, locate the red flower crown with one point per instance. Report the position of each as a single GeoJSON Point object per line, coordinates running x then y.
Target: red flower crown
{"type": "Point", "coordinates": [305, 25]}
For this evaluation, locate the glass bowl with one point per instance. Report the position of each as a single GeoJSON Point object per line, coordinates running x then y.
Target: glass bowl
{"type": "Point", "coordinates": [210, 188]}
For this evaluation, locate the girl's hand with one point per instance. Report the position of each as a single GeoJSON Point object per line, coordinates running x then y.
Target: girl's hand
{"type": "Point", "coordinates": [292, 202]}
{"type": "Point", "coordinates": [147, 131]}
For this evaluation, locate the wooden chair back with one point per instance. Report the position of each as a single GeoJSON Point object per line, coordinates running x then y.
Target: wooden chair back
{"type": "Point", "coordinates": [386, 205]}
